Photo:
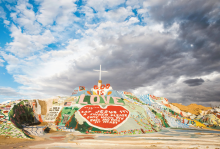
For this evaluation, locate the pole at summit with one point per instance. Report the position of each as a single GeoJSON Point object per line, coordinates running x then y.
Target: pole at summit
{"type": "Point", "coordinates": [100, 80]}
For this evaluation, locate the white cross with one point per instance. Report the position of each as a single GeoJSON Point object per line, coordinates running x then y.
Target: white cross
{"type": "Point", "coordinates": [100, 72]}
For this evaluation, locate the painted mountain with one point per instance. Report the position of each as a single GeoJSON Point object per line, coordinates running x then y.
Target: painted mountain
{"type": "Point", "coordinates": [115, 112]}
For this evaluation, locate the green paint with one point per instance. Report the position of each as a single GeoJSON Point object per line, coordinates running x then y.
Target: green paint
{"type": "Point", "coordinates": [160, 116]}
{"type": "Point", "coordinates": [69, 111]}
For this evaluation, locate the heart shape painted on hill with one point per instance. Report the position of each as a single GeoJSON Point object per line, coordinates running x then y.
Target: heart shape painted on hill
{"type": "Point", "coordinates": [104, 118]}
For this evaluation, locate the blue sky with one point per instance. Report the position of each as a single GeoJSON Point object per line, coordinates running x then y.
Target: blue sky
{"type": "Point", "coordinates": [160, 47]}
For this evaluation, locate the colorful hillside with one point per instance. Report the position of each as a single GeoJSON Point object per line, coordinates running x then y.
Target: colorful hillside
{"type": "Point", "coordinates": [115, 112]}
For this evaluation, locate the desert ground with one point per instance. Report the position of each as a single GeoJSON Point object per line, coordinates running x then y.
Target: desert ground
{"type": "Point", "coordinates": [167, 138]}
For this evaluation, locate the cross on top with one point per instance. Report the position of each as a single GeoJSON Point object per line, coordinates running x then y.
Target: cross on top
{"type": "Point", "coordinates": [100, 72]}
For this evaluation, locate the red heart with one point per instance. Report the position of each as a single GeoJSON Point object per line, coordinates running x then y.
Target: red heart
{"type": "Point", "coordinates": [104, 118]}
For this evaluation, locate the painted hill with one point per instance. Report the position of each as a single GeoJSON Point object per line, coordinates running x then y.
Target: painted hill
{"type": "Point", "coordinates": [116, 112]}
{"type": "Point", "coordinates": [192, 108]}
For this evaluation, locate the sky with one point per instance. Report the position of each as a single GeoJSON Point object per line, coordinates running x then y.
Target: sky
{"type": "Point", "coordinates": [167, 48]}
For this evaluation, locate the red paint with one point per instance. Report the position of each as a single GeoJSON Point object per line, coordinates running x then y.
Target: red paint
{"type": "Point", "coordinates": [102, 86]}
{"type": "Point", "coordinates": [58, 138]}
{"type": "Point", "coordinates": [75, 92]}
{"type": "Point", "coordinates": [40, 119]}
{"type": "Point", "coordinates": [107, 86]}
{"type": "Point", "coordinates": [33, 106]}
{"type": "Point", "coordinates": [96, 87]}
{"type": "Point", "coordinates": [101, 92]}
{"type": "Point", "coordinates": [81, 87]}
{"type": "Point", "coordinates": [127, 93]}
{"type": "Point", "coordinates": [109, 117]}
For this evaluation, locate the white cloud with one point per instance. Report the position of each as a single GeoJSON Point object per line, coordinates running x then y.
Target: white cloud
{"type": "Point", "coordinates": [2, 13]}
{"type": "Point", "coordinates": [8, 91]}
{"type": "Point", "coordinates": [142, 11]}
{"type": "Point", "coordinates": [49, 73]}
{"type": "Point", "coordinates": [10, 58]}
{"type": "Point", "coordinates": [48, 11]}
{"type": "Point", "coordinates": [45, 65]}
{"type": "Point", "coordinates": [56, 10]}
{"type": "Point", "coordinates": [23, 79]}
{"type": "Point", "coordinates": [1, 62]}
{"type": "Point", "coordinates": [150, 3]}
{"type": "Point", "coordinates": [173, 30]}
{"type": "Point", "coordinates": [134, 3]}
{"type": "Point", "coordinates": [88, 12]}
{"type": "Point", "coordinates": [66, 14]}
{"type": "Point", "coordinates": [101, 5]}
{"type": "Point", "coordinates": [132, 20]}
{"type": "Point", "coordinates": [25, 17]}
{"type": "Point", "coordinates": [13, 63]}
{"type": "Point", "coordinates": [24, 44]}
{"type": "Point", "coordinates": [212, 76]}
{"type": "Point", "coordinates": [119, 14]}
{"type": "Point", "coordinates": [157, 28]}
{"type": "Point", "coordinates": [6, 22]}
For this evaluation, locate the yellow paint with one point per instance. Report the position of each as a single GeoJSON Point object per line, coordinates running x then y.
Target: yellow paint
{"type": "Point", "coordinates": [94, 93]}
{"type": "Point", "coordinates": [198, 124]}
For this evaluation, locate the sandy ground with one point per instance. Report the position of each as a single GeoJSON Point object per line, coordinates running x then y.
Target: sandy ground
{"type": "Point", "coordinates": [168, 138]}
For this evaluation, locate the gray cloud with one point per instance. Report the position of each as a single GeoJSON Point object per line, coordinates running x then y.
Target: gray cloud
{"type": "Point", "coordinates": [199, 26]}
{"type": "Point", "coordinates": [8, 92]}
{"type": "Point", "coordinates": [194, 82]}
{"type": "Point", "coordinates": [145, 60]}
{"type": "Point", "coordinates": [205, 94]}
{"type": "Point", "coordinates": [199, 22]}
{"type": "Point", "coordinates": [154, 60]}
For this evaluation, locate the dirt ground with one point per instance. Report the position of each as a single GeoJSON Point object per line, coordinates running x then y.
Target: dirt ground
{"type": "Point", "coordinates": [7, 140]}
{"type": "Point", "coordinates": [167, 138]}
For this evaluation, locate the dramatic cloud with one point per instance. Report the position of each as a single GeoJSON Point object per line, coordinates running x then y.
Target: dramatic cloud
{"type": "Point", "coordinates": [194, 82]}
{"type": "Point", "coordinates": [160, 47]}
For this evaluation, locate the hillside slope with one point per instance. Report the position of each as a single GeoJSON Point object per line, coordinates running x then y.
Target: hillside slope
{"type": "Point", "coordinates": [192, 108]}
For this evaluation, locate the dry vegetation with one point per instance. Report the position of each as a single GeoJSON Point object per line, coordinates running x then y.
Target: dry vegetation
{"type": "Point", "coordinates": [192, 108]}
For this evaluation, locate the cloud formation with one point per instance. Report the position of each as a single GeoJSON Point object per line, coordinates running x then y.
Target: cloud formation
{"type": "Point", "coordinates": [157, 47]}
{"type": "Point", "coordinates": [194, 82]}
{"type": "Point", "coordinates": [1, 62]}
{"type": "Point", "coordinates": [7, 91]}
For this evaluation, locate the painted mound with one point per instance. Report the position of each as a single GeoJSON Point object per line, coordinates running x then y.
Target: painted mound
{"type": "Point", "coordinates": [116, 112]}
{"type": "Point", "coordinates": [106, 114]}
